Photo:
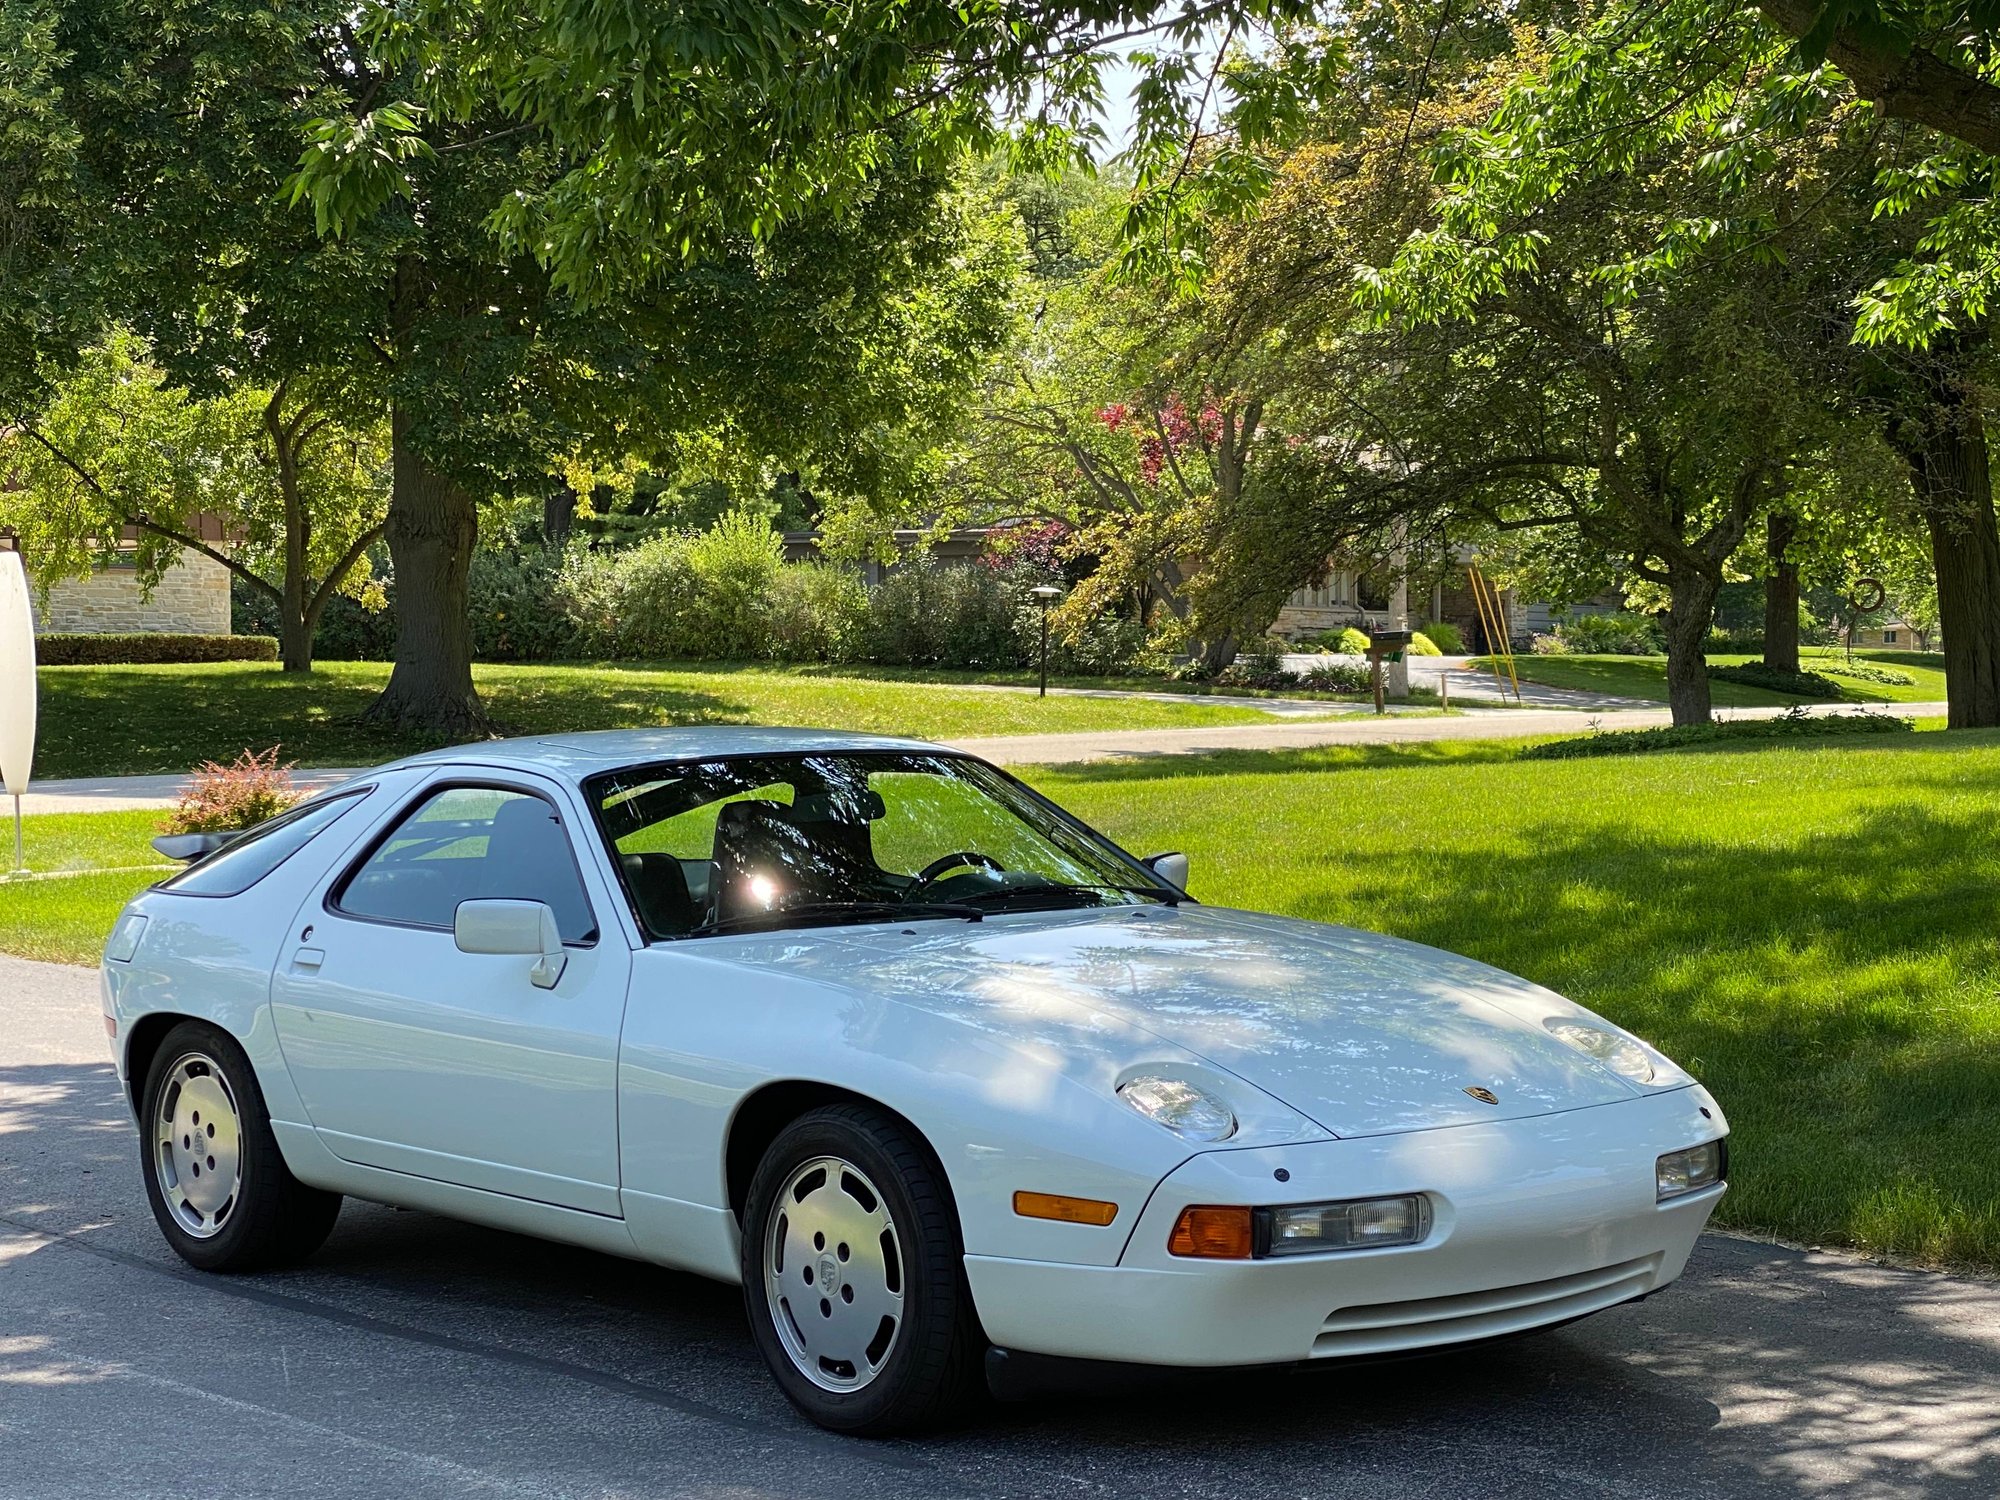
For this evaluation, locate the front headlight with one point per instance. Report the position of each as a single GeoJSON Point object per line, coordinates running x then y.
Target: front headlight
{"type": "Point", "coordinates": [1189, 1112]}
{"type": "Point", "coordinates": [1688, 1171]}
{"type": "Point", "coordinates": [1620, 1054]}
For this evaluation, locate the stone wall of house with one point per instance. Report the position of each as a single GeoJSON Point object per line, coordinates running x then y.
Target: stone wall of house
{"type": "Point", "coordinates": [192, 599]}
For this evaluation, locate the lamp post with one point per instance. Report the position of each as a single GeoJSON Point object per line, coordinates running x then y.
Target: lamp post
{"type": "Point", "coordinates": [1045, 594]}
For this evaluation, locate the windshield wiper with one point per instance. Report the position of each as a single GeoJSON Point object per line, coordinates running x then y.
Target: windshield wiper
{"type": "Point", "coordinates": [819, 912]}
{"type": "Point", "coordinates": [1056, 894]}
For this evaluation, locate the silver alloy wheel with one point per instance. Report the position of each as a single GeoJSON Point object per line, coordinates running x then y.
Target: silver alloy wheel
{"type": "Point", "coordinates": [198, 1146]}
{"type": "Point", "coordinates": [833, 1274]}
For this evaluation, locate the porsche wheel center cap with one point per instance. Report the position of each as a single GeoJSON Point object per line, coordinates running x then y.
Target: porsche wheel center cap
{"type": "Point", "coordinates": [829, 1274]}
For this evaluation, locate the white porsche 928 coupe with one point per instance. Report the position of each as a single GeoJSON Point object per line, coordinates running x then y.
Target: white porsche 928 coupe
{"type": "Point", "coordinates": [938, 1073]}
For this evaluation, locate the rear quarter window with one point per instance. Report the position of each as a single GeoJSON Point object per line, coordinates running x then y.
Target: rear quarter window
{"type": "Point", "coordinates": [232, 870]}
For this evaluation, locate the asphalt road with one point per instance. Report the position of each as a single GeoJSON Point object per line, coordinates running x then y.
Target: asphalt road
{"type": "Point", "coordinates": [417, 1357]}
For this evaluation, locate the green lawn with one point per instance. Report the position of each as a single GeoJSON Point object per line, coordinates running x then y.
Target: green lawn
{"type": "Point", "coordinates": [1819, 944]}
{"type": "Point", "coordinates": [65, 915]}
{"type": "Point", "coordinates": [103, 721]}
{"type": "Point", "coordinates": [1646, 677]}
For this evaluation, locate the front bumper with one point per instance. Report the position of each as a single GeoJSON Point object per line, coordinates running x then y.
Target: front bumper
{"type": "Point", "coordinates": [1535, 1222]}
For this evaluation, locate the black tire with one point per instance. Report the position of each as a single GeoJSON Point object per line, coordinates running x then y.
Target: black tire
{"type": "Point", "coordinates": [271, 1218]}
{"type": "Point", "coordinates": [931, 1371]}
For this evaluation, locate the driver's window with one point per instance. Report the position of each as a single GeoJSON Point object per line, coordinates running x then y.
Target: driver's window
{"type": "Point", "coordinates": [927, 817]}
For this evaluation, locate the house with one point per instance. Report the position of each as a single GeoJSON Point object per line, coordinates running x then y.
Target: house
{"type": "Point", "coordinates": [1894, 634]}
{"type": "Point", "coordinates": [191, 599]}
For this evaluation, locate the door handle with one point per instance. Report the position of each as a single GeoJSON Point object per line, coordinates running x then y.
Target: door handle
{"type": "Point", "coordinates": [308, 958]}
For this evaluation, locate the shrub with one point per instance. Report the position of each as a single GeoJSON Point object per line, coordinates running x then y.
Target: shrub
{"type": "Point", "coordinates": [250, 790]}
{"type": "Point", "coordinates": [656, 598]}
{"type": "Point", "coordinates": [817, 613]}
{"type": "Point", "coordinates": [1353, 642]}
{"type": "Point", "coordinates": [1338, 677]}
{"type": "Point", "coordinates": [513, 606]}
{"type": "Point", "coordinates": [1610, 635]}
{"type": "Point", "coordinates": [1446, 637]}
{"type": "Point", "coordinates": [1423, 645]}
{"type": "Point", "coordinates": [1794, 723]}
{"type": "Point", "coordinates": [1863, 672]}
{"type": "Point", "coordinates": [1799, 684]}
{"type": "Point", "coordinates": [1547, 645]}
{"type": "Point", "coordinates": [1735, 642]}
{"type": "Point", "coordinates": [926, 614]}
{"type": "Point", "coordinates": [735, 564]}
{"type": "Point", "coordinates": [1108, 644]}
{"type": "Point", "coordinates": [64, 650]}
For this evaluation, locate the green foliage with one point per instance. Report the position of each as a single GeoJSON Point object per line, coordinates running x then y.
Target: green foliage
{"type": "Point", "coordinates": [1339, 677]}
{"type": "Point", "coordinates": [818, 612]}
{"type": "Point", "coordinates": [926, 614]}
{"type": "Point", "coordinates": [1423, 645]}
{"type": "Point", "coordinates": [1446, 637]}
{"type": "Point", "coordinates": [1795, 723]}
{"type": "Point", "coordinates": [1352, 642]}
{"type": "Point", "coordinates": [1798, 684]}
{"type": "Point", "coordinates": [673, 135]}
{"type": "Point", "coordinates": [115, 447]}
{"type": "Point", "coordinates": [1608, 635]}
{"type": "Point", "coordinates": [58, 649]}
{"type": "Point", "coordinates": [1860, 671]}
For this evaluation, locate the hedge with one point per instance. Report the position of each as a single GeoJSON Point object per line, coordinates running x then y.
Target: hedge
{"type": "Point", "coordinates": [1756, 674]}
{"type": "Point", "coordinates": [68, 650]}
{"type": "Point", "coordinates": [1794, 723]}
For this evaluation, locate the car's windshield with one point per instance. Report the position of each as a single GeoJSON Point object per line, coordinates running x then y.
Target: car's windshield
{"type": "Point", "coordinates": [790, 840]}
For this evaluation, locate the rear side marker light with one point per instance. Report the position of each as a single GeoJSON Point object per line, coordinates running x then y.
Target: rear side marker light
{"type": "Point", "coordinates": [1064, 1210]}
{"type": "Point", "coordinates": [1207, 1233]}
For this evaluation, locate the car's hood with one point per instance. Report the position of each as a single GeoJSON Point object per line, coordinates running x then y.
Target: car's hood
{"type": "Point", "coordinates": [1363, 1034]}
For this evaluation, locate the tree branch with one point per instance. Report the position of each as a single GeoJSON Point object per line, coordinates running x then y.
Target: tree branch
{"type": "Point", "coordinates": [1918, 86]}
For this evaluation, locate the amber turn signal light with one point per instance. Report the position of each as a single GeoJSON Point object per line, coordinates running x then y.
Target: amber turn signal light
{"type": "Point", "coordinates": [1065, 1210]}
{"type": "Point", "coordinates": [1208, 1233]}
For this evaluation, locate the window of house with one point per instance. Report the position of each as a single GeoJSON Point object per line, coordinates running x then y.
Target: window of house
{"type": "Point", "coordinates": [1888, 637]}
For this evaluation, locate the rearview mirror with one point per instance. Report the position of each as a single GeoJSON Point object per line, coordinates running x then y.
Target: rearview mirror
{"type": "Point", "coordinates": [1172, 868]}
{"type": "Point", "coordinates": [188, 847]}
{"type": "Point", "coordinates": [513, 927]}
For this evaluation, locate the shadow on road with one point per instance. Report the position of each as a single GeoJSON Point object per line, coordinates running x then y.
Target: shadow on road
{"type": "Point", "coordinates": [494, 1363]}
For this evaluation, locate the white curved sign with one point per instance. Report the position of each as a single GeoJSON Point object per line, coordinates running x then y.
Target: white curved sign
{"type": "Point", "coordinates": [17, 675]}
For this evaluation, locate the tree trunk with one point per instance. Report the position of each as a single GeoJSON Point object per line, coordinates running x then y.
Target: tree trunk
{"type": "Point", "coordinates": [1954, 486]}
{"type": "Point", "coordinates": [432, 527]}
{"type": "Point", "coordinates": [1689, 617]}
{"type": "Point", "coordinates": [1216, 653]}
{"type": "Point", "coordinates": [1781, 595]}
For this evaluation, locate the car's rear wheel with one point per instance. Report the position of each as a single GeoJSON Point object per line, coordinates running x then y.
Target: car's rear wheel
{"type": "Point", "coordinates": [218, 1186]}
{"type": "Point", "coordinates": [853, 1275]}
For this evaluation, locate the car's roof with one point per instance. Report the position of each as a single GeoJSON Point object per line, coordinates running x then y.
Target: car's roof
{"type": "Point", "coordinates": [588, 752]}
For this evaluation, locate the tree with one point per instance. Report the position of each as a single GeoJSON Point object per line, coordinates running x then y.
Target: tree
{"type": "Point", "coordinates": [298, 488]}
{"type": "Point", "coordinates": [821, 341]}
{"type": "Point", "coordinates": [1629, 91]}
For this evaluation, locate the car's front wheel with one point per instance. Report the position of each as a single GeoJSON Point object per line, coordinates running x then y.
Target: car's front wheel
{"type": "Point", "coordinates": [218, 1185]}
{"type": "Point", "coordinates": [853, 1275]}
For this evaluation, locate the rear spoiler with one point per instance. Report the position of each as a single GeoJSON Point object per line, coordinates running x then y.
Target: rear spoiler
{"type": "Point", "coordinates": [188, 847]}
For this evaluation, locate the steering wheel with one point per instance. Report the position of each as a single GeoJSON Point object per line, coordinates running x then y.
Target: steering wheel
{"type": "Point", "coordinates": [950, 862]}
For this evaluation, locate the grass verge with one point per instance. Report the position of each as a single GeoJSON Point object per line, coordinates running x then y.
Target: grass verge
{"type": "Point", "coordinates": [1646, 677]}
{"type": "Point", "coordinates": [108, 721]}
{"type": "Point", "coordinates": [1808, 927]}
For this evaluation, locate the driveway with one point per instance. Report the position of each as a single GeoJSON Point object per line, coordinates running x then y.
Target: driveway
{"type": "Point", "coordinates": [414, 1356]}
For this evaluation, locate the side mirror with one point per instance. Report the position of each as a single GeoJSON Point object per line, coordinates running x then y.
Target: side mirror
{"type": "Point", "coordinates": [513, 927]}
{"type": "Point", "coordinates": [188, 847]}
{"type": "Point", "coordinates": [1172, 868]}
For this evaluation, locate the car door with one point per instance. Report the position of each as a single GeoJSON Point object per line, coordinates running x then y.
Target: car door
{"type": "Point", "coordinates": [413, 1056]}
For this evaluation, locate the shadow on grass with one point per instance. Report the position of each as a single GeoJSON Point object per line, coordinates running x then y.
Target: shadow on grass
{"type": "Point", "coordinates": [1836, 991]}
